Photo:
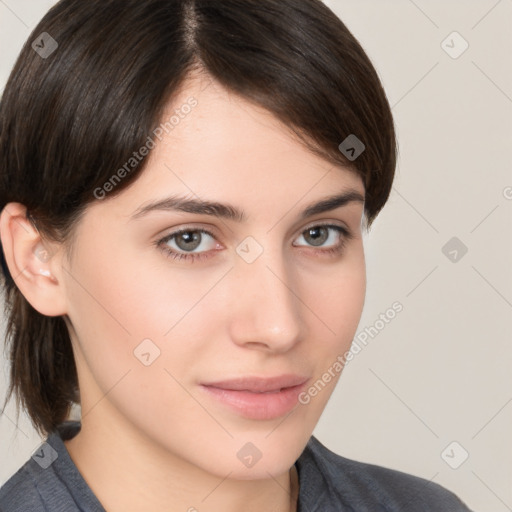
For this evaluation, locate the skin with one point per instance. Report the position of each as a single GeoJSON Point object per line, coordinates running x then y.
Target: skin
{"type": "Point", "coordinates": [150, 431]}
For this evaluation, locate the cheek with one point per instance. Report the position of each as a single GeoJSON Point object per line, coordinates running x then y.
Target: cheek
{"type": "Point", "coordinates": [344, 300]}
{"type": "Point", "coordinates": [127, 301]}
{"type": "Point", "coordinates": [338, 304]}
{"type": "Point", "coordinates": [338, 298]}
{"type": "Point", "coordinates": [339, 307]}
{"type": "Point", "coordinates": [149, 320]}
{"type": "Point", "coordinates": [121, 315]}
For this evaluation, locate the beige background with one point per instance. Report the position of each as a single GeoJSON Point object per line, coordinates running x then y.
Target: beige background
{"type": "Point", "coordinates": [439, 372]}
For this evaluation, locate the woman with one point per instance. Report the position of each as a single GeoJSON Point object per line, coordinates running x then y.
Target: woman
{"type": "Point", "coordinates": [184, 187]}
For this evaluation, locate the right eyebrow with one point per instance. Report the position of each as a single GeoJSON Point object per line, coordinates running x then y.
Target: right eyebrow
{"type": "Point", "coordinates": [197, 206]}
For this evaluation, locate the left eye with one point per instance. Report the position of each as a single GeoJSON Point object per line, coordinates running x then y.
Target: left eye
{"type": "Point", "coordinates": [318, 235]}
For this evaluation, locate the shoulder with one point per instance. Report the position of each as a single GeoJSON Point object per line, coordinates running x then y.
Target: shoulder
{"type": "Point", "coordinates": [367, 487]}
{"type": "Point", "coordinates": [42, 483]}
{"type": "Point", "coordinates": [20, 494]}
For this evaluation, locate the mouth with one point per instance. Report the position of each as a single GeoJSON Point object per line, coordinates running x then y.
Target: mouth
{"type": "Point", "coordinates": [258, 398]}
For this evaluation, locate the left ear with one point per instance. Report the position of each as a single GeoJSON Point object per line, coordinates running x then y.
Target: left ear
{"type": "Point", "coordinates": [34, 264]}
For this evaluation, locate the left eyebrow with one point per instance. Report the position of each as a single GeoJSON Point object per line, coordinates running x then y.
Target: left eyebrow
{"type": "Point", "coordinates": [332, 202]}
{"type": "Point", "coordinates": [230, 212]}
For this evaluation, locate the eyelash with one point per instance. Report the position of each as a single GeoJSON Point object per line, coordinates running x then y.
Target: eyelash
{"type": "Point", "coordinates": [171, 253]}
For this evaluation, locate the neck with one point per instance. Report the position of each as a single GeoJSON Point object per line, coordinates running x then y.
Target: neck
{"type": "Point", "coordinates": [111, 458]}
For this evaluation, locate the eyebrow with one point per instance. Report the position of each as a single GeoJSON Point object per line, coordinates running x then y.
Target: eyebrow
{"type": "Point", "coordinates": [230, 212]}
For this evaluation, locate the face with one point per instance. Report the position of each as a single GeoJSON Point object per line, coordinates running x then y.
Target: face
{"type": "Point", "coordinates": [163, 301]}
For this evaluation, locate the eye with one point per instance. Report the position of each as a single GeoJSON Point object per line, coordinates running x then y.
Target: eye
{"type": "Point", "coordinates": [187, 240]}
{"type": "Point", "coordinates": [318, 235]}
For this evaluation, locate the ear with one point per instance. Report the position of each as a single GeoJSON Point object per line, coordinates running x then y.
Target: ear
{"type": "Point", "coordinates": [34, 264]}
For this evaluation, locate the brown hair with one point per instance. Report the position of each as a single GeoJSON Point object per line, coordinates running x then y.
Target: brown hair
{"type": "Point", "coordinates": [72, 117]}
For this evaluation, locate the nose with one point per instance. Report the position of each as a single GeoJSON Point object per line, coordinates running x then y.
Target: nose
{"type": "Point", "coordinates": [267, 312]}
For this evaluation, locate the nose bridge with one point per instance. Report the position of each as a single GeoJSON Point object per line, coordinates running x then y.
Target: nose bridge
{"type": "Point", "coordinates": [268, 310]}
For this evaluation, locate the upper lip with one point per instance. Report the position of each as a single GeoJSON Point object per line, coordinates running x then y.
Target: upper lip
{"type": "Point", "coordinates": [259, 384]}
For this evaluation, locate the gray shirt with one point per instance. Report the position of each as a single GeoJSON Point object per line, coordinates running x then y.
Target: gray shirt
{"type": "Point", "coordinates": [50, 482]}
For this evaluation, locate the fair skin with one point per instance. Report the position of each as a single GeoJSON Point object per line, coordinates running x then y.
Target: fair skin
{"type": "Point", "coordinates": [151, 438]}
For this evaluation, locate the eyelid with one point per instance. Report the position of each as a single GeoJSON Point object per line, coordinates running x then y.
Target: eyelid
{"type": "Point", "coordinates": [173, 234]}
{"type": "Point", "coordinates": [202, 228]}
{"type": "Point", "coordinates": [211, 230]}
{"type": "Point", "coordinates": [324, 222]}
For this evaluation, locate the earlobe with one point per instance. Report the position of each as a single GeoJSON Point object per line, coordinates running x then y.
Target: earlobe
{"type": "Point", "coordinates": [31, 261]}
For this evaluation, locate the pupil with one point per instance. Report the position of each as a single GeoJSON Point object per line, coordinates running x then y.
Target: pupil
{"type": "Point", "coordinates": [191, 240]}
{"type": "Point", "coordinates": [318, 235]}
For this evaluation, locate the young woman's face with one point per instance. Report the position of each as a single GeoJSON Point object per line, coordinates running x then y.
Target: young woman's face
{"type": "Point", "coordinates": [155, 316]}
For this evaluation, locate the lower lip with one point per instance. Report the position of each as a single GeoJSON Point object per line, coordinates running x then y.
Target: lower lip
{"type": "Point", "coordinates": [258, 406]}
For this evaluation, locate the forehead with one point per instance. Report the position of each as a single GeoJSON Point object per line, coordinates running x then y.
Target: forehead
{"type": "Point", "coordinates": [213, 144]}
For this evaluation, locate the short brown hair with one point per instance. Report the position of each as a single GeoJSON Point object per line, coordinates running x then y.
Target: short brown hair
{"type": "Point", "coordinates": [69, 119]}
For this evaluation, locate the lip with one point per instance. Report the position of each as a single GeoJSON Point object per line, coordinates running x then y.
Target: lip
{"type": "Point", "coordinates": [256, 397]}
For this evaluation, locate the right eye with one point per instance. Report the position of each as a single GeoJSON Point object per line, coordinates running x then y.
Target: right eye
{"type": "Point", "coordinates": [185, 241]}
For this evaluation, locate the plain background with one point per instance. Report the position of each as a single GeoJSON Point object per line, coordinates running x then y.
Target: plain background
{"type": "Point", "coordinates": [439, 372]}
